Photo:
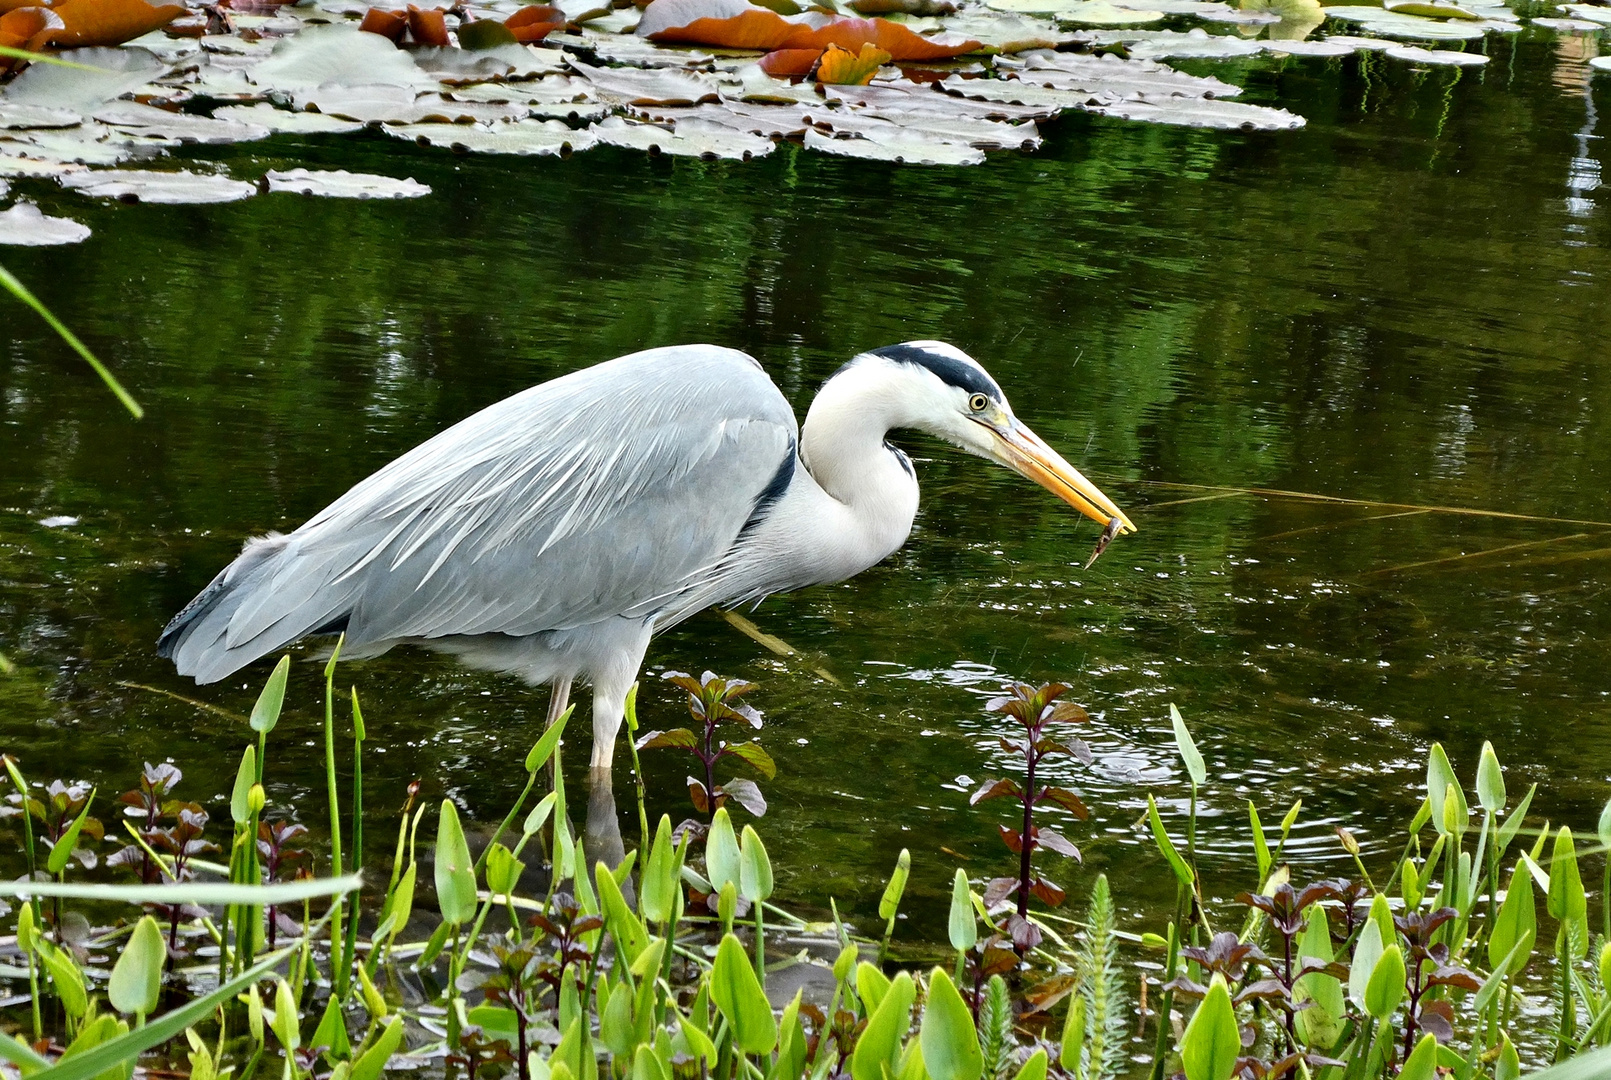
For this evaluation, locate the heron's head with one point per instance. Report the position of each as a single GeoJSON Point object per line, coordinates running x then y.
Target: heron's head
{"type": "Point", "coordinates": [939, 389]}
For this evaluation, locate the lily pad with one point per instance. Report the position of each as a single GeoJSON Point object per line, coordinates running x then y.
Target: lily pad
{"type": "Point", "coordinates": [18, 117]}
{"type": "Point", "coordinates": [1321, 47]}
{"type": "Point", "coordinates": [1127, 78]}
{"type": "Point", "coordinates": [340, 55]}
{"type": "Point", "coordinates": [1196, 44]}
{"type": "Point", "coordinates": [935, 101]}
{"type": "Point", "coordinates": [1569, 26]}
{"type": "Point", "coordinates": [1600, 63]}
{"type": "Point", "coordinates": [636, 86]}
{"type": "Point", "coordinates": [88, 144]}
{"type": "Point", "coordinates": [12, 164]}
{"type": "Point", "coordinates": [1439, 57]}
{"type": "Point", "coordinates": [541, 138]}
{"type": "Point", "coordinates": [767, 121]}
{"type": "Point", "coordinates": [340, 184]}
{"type": "Point", "coordinates": [25, 225]}
{"type": "Point", "coordinates": [967, 131]}
{"type": "Point", "coordinates": [176, 188]}
{"type": "Point", "coordinates": [285, 121]}
{"type": "Point", "coordinates": [903, 147]}
{"type": "Point", "coordinates": [1591, 12]}
{"type": "Point", "coordinates": [116, 72]}
{"type": "Point", "coordinates": [1202, 112]}
{"type": "Point", "coordinates": [457, 66]}
{"type": "Point", "coordinates": [178, 127]}
{"type": "Point", "coordinates": [621, 49]}
{"type": "Point", "coordinates": [1407, 27]}
{"type": "Point", "coordinates": [1085, 12]}
{"type": "Point", "coordinates": [1009, 33]}
{"type": "Point", "coordinates": [1430, 9]}
{"type": "Point", "coordinates": [689, 138]}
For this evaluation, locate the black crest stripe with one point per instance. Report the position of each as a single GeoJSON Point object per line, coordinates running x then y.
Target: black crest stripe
{"type": "Point", "coordinates": [947, 368]}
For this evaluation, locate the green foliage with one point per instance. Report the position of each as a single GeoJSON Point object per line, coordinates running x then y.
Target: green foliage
{"type": "Point", "coordinates": [1211, 1044]}
{"type": "Point", "coordinates": [1101, 986]}
{"type": "Point", "coordinates": [950, 1043]}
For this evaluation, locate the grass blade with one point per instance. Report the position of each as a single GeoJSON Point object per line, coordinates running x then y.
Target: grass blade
{"type": "Point", "coordinates": [20, 291]}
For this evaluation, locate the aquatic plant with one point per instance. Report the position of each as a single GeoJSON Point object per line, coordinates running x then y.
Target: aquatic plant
{"type": "Point", "coordinates": [713, 700]}
{"type": "Point", "coordinates": [581, 981]}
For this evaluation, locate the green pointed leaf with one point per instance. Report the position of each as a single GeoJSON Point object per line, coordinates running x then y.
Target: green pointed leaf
{"type": "Point", "coordinates": [539, 815]}
{"type": "Point", "coordinates": [1188, 748]}
{"type": "Point", "coordinates": [1508, 1067]}
{"type": "Point", "coordinates": [739, 997]}
{"type": "Point", "coordinates": [949, 1040]}
{"type": "Point", "coordinates": [659, 885]}
{"type": "Point", "coordinates": [1212, 1042]}
{"type": "Point", "coordinates": [891, 900]}
{"type": "Point", "coordinates": [455, 870]}
{"type": "Point", "coordinates": [1490, 780]}
{"type": "Point", "coordinates": [266, 713]}
{"type": "Point", "coordinates": [1320, 1025]}
{"type": "Point", "coordinates": [1367, 950]}
{"type": "Point", "coordinates": [503, 870]}
{"type": "Point", "coordinates": [791, 1043]}
{"type": "Point", "coordinates": [1072, 1047]}
{"type": "Point", "coordinates": [1439, 776]}
{"type": "Point", "coordinates": [66, 977]}
{"type": "Point", "coordinates": [722, 858]}
{"type": "Point", "coordinates": [871, 986]}
{"type": "Point", "coordinates": [543, 748]}
{"type": "Point", "coordinates": [57, 862]}
{"type": "Point", "coordinates": [1166, 845]}
{"type": "Point", "coordinates": [1261, 847]}
{"type": "Point", "coordinates": [962, 928]}
{"type": "Point", "coordinates": [240, 796]}
{"type": "Point", "coordinates": [878, 1050]}
{"type": "Point", "coordinates": [332, 1031]}
{"type": "Point", "coordinates": [1035, 1067]}
{"type": "Point", "coordinates": [1516, 925]}
{"type": "Point", "coordinates": [647, 1066]}
{"type": "Point", "coordinates": [755, 867]}
{"type": "Point", "coordinates": [287, 1027]}
{"type": "Point", "coordinates": [136, 983]}
{"type": "Point", "coordinates": [1567, 902]}
{"type": "Point", "coordinates": [1386, 986]}
{"type": "Point", "coordinates": [1422, 1064]}
{"type": "Point", "coordinates": [616, 1030]}
{"type": "Point", "coordinates": [619, 919]}
{"type": "Point", "coordinates": [371, 1064]}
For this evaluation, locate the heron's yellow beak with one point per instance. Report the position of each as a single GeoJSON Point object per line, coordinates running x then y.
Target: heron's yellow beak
{"type": "Point", "coordinates": [1022, 451]}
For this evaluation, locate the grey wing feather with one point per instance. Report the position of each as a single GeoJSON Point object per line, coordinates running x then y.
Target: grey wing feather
{"type": "Point", "coordinates": [607, 492]}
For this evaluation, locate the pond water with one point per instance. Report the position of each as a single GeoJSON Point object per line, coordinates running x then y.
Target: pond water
{"type": "Point", "coordinates": [1404, 303]}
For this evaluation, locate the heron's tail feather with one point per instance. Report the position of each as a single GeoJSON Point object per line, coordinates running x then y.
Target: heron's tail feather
{"type": "Point", "coordinates": [252, 608]}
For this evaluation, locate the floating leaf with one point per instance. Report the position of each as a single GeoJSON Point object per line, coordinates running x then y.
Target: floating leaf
{"type": "Point", "coordinates": [480, 34]}
{"type": "Point", "coordinates": [635, 86]}
{"type": "Point", "coordinates": [1430, 9]}
{"type": "Point", "coordinates": [1204, 113]}
{"type": "Point", "coordinates": [525, 137]}
{"type": "Point", "coordinates": [176, 188]}
{"type": "Point", "coordinates": [178, 127]}
{"type": "Point", "coordinates": [24, 224]}
{"type": "Point", "coordinates": [1442, 57]}
{"type": "Point", "coordinates": [390, 25]}
{"type": "Point", "coordinates": [899, 41]}
{"type": "Point", "coordinates": [733, 24]}
{"type": "Point", "coordinates": [105, 75]}
{"type": "Point", "coordinates": [428, 26]}
{"type": "Point", "coordinates": [532, 23]}
{"type": "Point", "coordinates": [783, 63]}
{"type": "Point", "coordinates": [841, 67]}
{"type": "Point", "coordinates": [906, 147]}
{"type": "Point", "coordinates": [102, 22]}
{"type": "Point", "coordinates": [340, 55]}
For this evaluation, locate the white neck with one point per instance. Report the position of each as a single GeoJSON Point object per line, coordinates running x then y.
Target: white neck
{"type": "Point", "coordinates": [854, 502]}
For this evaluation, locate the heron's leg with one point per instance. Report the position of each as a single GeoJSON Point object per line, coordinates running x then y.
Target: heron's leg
{"type": "Point", "coordinates": [611, 682]}
{"type": "Point", "coordinates": [559, 699]}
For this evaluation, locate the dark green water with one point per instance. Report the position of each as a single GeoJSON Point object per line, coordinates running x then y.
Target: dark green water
{"type": "Point", "coordinates": [1406, 302]}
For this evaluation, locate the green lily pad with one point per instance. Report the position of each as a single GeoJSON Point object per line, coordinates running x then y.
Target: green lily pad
{"type": "Point", "coordinates": [1430, 9]}
{"type": "Point", "coordinates": [116, 72]}
{"type": "Point", "coordinates": [285, 121]}
{"type": "Point", "coordinates": [177, 127]}
{"type": "Point", "coordinates": [689, 138]}
{"type": "Point", "coordinates": [1436, 57]}
{"type": "Point", "coordinates": [1202, 112]}
{"type": "Point", "coordinates": [542, 138]}
{"type": "Point", "coordinates": [18, 117]}
{"type": "Point", "coordinates": [1404, 27]}
{"type": "Point", "coordinates": [342, 55]}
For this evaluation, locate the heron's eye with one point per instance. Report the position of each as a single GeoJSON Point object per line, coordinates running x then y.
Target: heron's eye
{"type": "Point", "coordinates": [978, 402]}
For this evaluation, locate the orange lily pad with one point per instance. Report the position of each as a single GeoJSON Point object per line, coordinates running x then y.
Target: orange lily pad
{"type": "Point", "coordinates": [428, 26]}
{"type": "Point", "coordinates": [103, 22]}
{"type": "Point", "coordinates": [893, 38]}
{"type": "Point", "coordinates": [535, 22]}
{"type": "Point", "coordinates": [733, 24]}
{"type": "Point", "coordinates": [842, 67]}
{"type": "Point", "coordinates": [388, 24]}
{"type": "Point", "coordinates": [782, 63]}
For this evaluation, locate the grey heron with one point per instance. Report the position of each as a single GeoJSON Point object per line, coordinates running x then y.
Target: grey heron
{"type": "Point", "coordinates": [552, 534]}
